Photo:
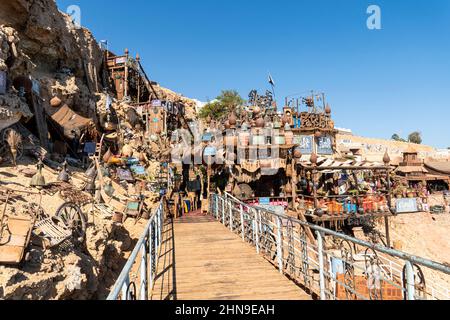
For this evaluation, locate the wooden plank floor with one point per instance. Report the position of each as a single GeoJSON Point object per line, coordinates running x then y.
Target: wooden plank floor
{"type": "Point", "coordinates": [202, 260]}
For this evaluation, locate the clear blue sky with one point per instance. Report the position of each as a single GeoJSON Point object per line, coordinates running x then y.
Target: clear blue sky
{"type": "Point", "coordinates": [378, 82]}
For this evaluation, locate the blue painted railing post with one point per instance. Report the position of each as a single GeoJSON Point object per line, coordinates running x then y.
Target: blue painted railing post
{"type": "Point", "coordinates": [279, 245]}
{"type": "Point", "coordinates": [321, 265]}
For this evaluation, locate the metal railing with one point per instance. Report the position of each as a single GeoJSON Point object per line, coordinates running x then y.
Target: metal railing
{"type": "Point", "coordinates": [328, 264]}
{"type": "Point", "coordinates": [137, 278]}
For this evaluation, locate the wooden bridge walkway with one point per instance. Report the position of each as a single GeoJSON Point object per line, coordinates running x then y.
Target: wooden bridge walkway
{"type": "Point", "coordinates": [202, 260]}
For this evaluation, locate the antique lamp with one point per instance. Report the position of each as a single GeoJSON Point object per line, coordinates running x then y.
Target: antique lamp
{"type": "Point", "coordinates": [38, 180]}
{"type": "Point", "coordinates": [64, 175]}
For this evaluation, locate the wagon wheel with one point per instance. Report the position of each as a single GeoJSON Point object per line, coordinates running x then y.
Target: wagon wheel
{"type": "Point", "coordinates": [5, 150]}
{"type": "Point", "coordinates": [73, 217]}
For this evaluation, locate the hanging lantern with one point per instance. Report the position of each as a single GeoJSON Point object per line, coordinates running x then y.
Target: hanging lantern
{"type": "Point", "coordinates": [297, 153]}
{"type": "Point", "coordinates": [318, 134]}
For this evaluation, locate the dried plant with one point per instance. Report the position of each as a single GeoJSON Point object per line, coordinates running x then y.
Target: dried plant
{"type": "Point", "coordinates": [14, 139]}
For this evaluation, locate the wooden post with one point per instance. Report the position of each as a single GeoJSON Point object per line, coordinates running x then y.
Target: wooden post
{"type": "Point", "coordinates": [126, 73]}
{"type": "Point", "coordinates": [313, 177]}
{"type": "Point", "coordinates": [41, 122]}
{"type": "Point", "coordinates": [294, 186]}
{"type": "Point", "coordinates": [388, 237]}
{"type": "Point", "coordinates": [138, 58]}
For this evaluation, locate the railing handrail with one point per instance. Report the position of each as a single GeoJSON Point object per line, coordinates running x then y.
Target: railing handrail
{"type": "Point", "coordinates": [399, 254]}
{"type": "Point", "coordinates": [124, 275]}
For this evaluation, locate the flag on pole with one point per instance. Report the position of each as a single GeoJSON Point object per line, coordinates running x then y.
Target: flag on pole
{"type": "Point", "coordinates": [272, 83]}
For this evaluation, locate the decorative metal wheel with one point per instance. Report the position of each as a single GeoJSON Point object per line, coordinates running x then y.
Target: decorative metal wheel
{"type": "Point", "coordinates": [374, 274]}
{"type": "Point", "coordinates": [73, 217]}
{"type": "Point", "coordinates": [349, 270]}
{"type": "Point", "coordinates": [131, 294]}
{"type": "Point", "coordinates": [420, 285]}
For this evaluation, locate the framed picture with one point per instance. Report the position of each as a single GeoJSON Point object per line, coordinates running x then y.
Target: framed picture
{"type": "Point", "coordinates": [324, 145]}
{"type": "Point", "coordinates": [407, 205]}
{"type": "Point", "coordinates": [305, 143]}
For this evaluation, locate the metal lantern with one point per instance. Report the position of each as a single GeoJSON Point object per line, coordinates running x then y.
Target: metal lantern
{"type": "Point", "coordinates": [64, 175]}
{"type": "Point", "coordinates": [38, 180]}
{"type": "Point", "coordinates": [91, 172]}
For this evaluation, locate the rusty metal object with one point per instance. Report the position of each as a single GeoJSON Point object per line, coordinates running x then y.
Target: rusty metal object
{"type": "Point", "coordinates": [69, 193]}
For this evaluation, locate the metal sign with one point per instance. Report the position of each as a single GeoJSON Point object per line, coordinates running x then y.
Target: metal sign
{"type": "Point", "coordinates": [210, 152]}
{"type": "Point", "coordinates": [121, 60]}
{"type": "Point", "coordinates": [264, 201]}
{"type": "Point", "coordinates": [324, 145]}
{"type": "Point", "coordinates": [207, 137]}
{"type": "Point", "coordinates": [156, 103]}
{"type": "Point", "coordinates": [407, 205]}
{"type": "Point", "coordinates": [2, 82]}
{"type": "Point", "coordinates": [305, 144]}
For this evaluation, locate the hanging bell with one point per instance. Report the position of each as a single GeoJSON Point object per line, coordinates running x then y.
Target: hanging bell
{"type": "Point", "coordinates": [64, 175]}
{"type": "Point", "coordinates": [38, 180]}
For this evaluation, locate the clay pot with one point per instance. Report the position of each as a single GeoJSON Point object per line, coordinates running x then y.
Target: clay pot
{"type": "Point", "coordinates": [318, 134]}
{"type": "Point", "coordinates": [328, 109]}
{"type": "Point", "coordinates": [386, 158]}
{"type": "Point", "coordinates": [297, 153]}
{"type": "Point", "coordinates": [227, 125]}
{"type": "Point", "coordinates": [314, 158]}
{"type": "Point", "coordinates": [260, 123]}
{"type": "Point", "coordinates": [256, 110]}
{"type": "Point", "coordinates": [288, 189]}
{"type": "Point", "coordinates": [55, 102]}
{"type": "Point", "coordinates": [232, 120]}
